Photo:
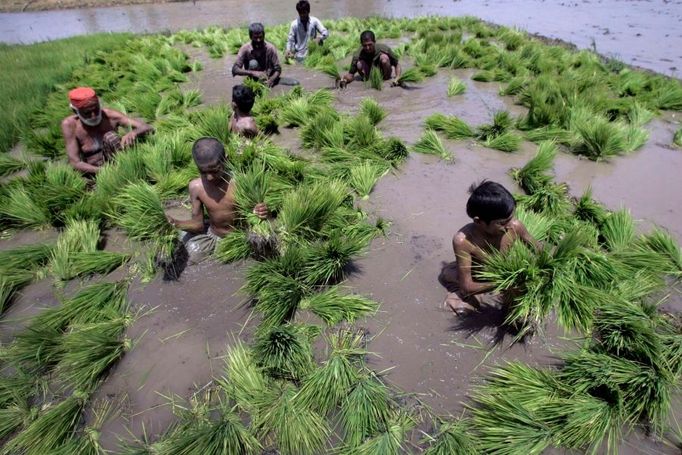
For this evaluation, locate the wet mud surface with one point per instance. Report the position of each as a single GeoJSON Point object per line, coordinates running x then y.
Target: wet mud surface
{"type": "Point", "coordinates": [642, 33]}
{"type": "Point", "coordinates": [185, 326]}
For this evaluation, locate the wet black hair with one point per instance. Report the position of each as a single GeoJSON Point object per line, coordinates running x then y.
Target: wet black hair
{"type": "Point", "coordinates": [367, 35]}
{"type": "Point", "coordinates": [490, 201]}
{"type": "Point", "coordinates": [303, 6]}
{"type": "Point", "coordinates": [243, 97]}
{"type": "Point", "coordinates": [208, 150]}
{"type": "Point", "coordinates": [256, 27]}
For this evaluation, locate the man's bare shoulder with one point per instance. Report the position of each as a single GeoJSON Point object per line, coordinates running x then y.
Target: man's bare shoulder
{"type": "Point", "coordinates": [69, 122]}
{"type": "Point", "coordinates": [517, 226]}
{"type": "Point", "coordinates": [196, 187]}
{"type": "Point", "coordinates": [462, 238]}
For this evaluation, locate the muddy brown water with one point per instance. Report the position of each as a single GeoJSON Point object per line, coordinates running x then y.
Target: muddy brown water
{"type": "Point", "coordinates": [185, 327]}
{"type": "Point", "coordinates": [643, 33]}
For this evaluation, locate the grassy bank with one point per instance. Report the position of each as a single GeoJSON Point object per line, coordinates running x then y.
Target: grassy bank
{"type": "Point", "coordinates": [35, 70]}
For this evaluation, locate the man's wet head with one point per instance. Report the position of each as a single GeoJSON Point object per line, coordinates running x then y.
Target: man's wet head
{"type": "Point", "coordinates": [367, 39]}
{"type": "Point", "coordinates": [209, 156]}
{"type": "Point", "coordinates": [257, 35]}
{"type": "Point", "coordinates": [85, 104]}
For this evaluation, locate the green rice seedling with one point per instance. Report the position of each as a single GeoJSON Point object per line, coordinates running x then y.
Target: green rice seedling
{"type": "Point", "coordinates": [306, 209]}
{"type": "Point", "coordinates": [55, 427]}
{"type": "Point", "coordinates": [364, 176]}
{"type": "Point", "coordinates": [90, 349]}
{"type": "Point", "coordinates": [21, 209]}
{"type": "Point", "coordinates": [502, 121]}
{"type": "Point", "coordinates": [331, 70]}
{"type": "Point", "coordinates": [638, 115]}
{"type": "Point", "coordinates": [635, 137]}
{"type": "Point", "coordinates": [26, 257]}
{"type": "Point", "coordinates": [83, 263]}
{"type": "Point", "coordinates": [453, 127]}
{"type": "Point", "coordinates": [78, 236]}
{"type": "Point", "coordinates": [366, 410]}
{"type": "Point", "coordinates": [328, 384]}
{"type": "Point", "coordinates": [587, 209]}
{"type": "Point", "coordinates": [618, 230]}
{"type": "Point", "coordinates": [244, 381]}
{"type": "Point", "coordinates": [284, 352]}
{"type": "Point", "coordinates": [550, 133]}
{"type": "Point", "coordinates": [668, 96]}
{"type": "Point", "coordinates": [211, 435]}
{"type": "Point", "coordinates": [391, 149]}
{"type": "Point", "coordinates": [551, 199]}
{"type": "Point", "coordinates": [62, 187]}
{"type": "Point", "coordinates": [292, 428]}
{"type": "Point", "coordinates": [409, 76]}
{"type": "Point", "coordinates": [538, 225]}
{"type": "Point", "coordinates": [326, 261]}
{"type": "Point", "coordinates": [295, 113]}
{"type": "Point", "coordinates": [361, 132]}
{"type": "Point", "coordinates": [375, 79]}
{"type": "Point", "coordinates": [16, 414]}
{"type": "Point", "coordinates": [10, 283]}
{"type": "Point", "coordinates": [601, 139]}
{"type": "Point", "coordinates": [515, 86]}
{"type": "Point", "coordinates": [211, 122]}
{"type": "Point", "coordinates": [88, 306]}
{"type": "Point", "coordinates": [427, 69]}
{"type": "Point", "coordinates": [484, 76]}
{"type": "Point", "coordinates": [372, 110]}
{"type": "Point", "coordinates": [234, 246]}
{"type": "Point", "coordinates": [143, 217]}
{"type": "Point", "coordinates": [677, 138]}
{"type": "Point", "coordinates": [333, 307]}
{"type": "Point", "coordinates": [664, 244]}
{"type": "Point", "coordinates": [534, 175]}
{"type": "Point", "coordinates": [9, 164]}
{"type": "Point", "coordinates": [430, 144]}
{"type": "Point", "coordinates": [456, 87]}
{"type": "Point", "coordinates": [278, 301]}
{"type": "Point", "coordinates": [505, 142]}
{"type": "Point", "coordinates": [452, 438]}
{"type": "Point", "coordinates": [390, 441]}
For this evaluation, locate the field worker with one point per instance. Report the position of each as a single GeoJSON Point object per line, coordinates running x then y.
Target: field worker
{"type": "Point", "coordinates": [258, 58]}
{"type": "Point", "coordinates": [242, 122]}
{"type": "Point", "coordinates": [303, 30]}
{"type": "Point", "coordinates": [214, 191]}
{"type": "Point", "coordinates": [91, 136]}
{"type": "Point", "coordinates": [372, 54]}
{"type": "Point", "coordinates": [493, 227]}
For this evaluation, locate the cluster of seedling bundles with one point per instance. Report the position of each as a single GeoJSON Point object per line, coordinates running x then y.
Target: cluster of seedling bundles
{"type": "Point", "coordinates": [302, 385]}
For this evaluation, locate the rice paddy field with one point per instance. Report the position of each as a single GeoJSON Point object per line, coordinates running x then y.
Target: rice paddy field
{"type": "Point", "coordinates": [321, 329]}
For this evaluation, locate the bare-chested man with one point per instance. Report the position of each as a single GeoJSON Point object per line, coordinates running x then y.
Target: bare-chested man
{"type": "Point", "coordinates": [372, 54]}
{"type": "Point", "coordinates": [242, 122]}
{"type": "Point", "coordinates": [90, 135]}
{"type": "Point", "coordinates": [214, 190]}
{"type": "Point", "coordinates": [494, 227]}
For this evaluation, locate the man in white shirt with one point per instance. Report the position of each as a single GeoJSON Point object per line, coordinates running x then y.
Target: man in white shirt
{"type": "Point", "coordinates": [303, 29]}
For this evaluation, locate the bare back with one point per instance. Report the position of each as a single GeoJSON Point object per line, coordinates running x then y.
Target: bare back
{"type": "Point", "coordinates": [217, 200]}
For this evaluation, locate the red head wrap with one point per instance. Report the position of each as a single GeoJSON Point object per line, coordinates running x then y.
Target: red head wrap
{"type": "Point", "coordinates": [83, 97]}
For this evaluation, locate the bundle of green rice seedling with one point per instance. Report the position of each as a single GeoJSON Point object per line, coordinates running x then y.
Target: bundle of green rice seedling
{"type": "Point", "coordinates": [327, 261]}
{"type": "Point", "coordinates": [360, 132]}
{"type": "Point", "coordinates": [538, 225]}
{"type": "Point", "coordinates": [90, 349]}
{"type": "Point", "coordinates": [55, 426]}
{"type": "Point", "coordinates": [9, 164]}
{"type": "Point", "coordinates": [550, 133]}
{"type": "Point", "coordinates": [328, 384]}
{"type": "Point", "coordinates": [390, 441]}
{"type": "Point", "coordinates": [21, 209]}
{"type": "Point", "coordinates": [366, 410]}
{"type": "Point", "coordinates": [551, 199]}
{"type": "Point", "coordinates": [638, 115]}
{"type": "Point", "coordinates": [292, 428]}
{"type": "Point", "coordinates": [142, 216]}
{"type": "Point", "coordinates": [515, 86]}
{"type": "Point", "coordinates": [427, 69]}
{"type": "Point", "coordinates": [587, 209]}
{"type": "Point", "coordinates": [601, 139]}
{"type": "Point", "coordinates": [506, 142]}
{"type": "Point", "coordinates": [364, 176]}
{"type": "Point", "coordinates": [62, 187]}
{"type": "Point", "coordinates": [618, 230]}
{"type": "Point", "coordinates": [219, 434]}
{"type": "Point", "coordinates": [10, 283]}
{"type": "Point", "coordinates": [372, 110]}
{"type": "Point", "coordinates": [430, 144]}
{"type": "Point", "coordinates": [305, 210]}
{"type": "Point", "coordinates": [295, 113]}
{"type": "Point", "coordinates": [89, 305]}
{"type": "Point", "coordinates": [456, 87]}
{"type": "Point", "coordinates": [330, 69]}
{"type": "Point", "coordinates": [210, 121]}
{"type": "Point", "coordinates": [244, 381]}
{"type": "Point", "coordinates": [534, 175]}
{"type": "Point", "coordinates": [391, 149]}
{"type": "Point", "coordinates": [16, 414]}
{"type": "Point", "coordinates": [284, 352]}
{"type": "Point", "coordinates": [333, 307]}
{"type": "Point", "coordinates": [452, 438]}
{"type": "Point", "coordinates": [409, 76]}
{"type": "Point", "coordinates": [663, 243]}
{"type": "Point", "coordinates": [233, 247]}
{"type": "Point", "coordinates": [375, 79]}
{"type": "Point", "coordinates": [323, 130]}
{"type": "Point", "coordinates": [278, 300]}
{"type": "Point", "coordinates": [502, 121]}
{"type": "Point", "coordinates": [453, 127]}
{"type": "Point", "coordinates": [78, 236]}
{"type": "Point", "coordinates": [639, 391]}
{"type": "Point", "coordinates": [83, 263]}
{"type": "Point", "coordinates": [26, 257]}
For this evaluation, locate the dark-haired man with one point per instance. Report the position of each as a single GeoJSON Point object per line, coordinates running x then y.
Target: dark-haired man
{"type": "Point", "coordinates": [90, 134]}
{"type": "Point", "coordinates": [258, 59]}
{"type": "Point", "coordinates": [303, 30]}
{"type": "Point", "coordinates": [242, 122]}
{"type": "Point", "coordinates": [214, 191]}
{"type": "Point", "coordinates": [372, 54]}
{"type": "Point", "coordinates": [493, 227]}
